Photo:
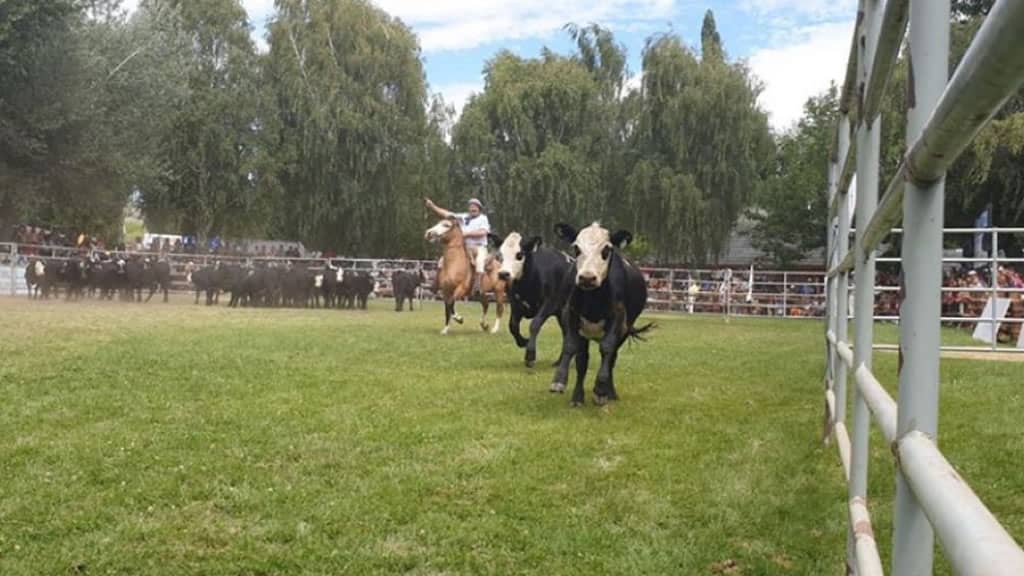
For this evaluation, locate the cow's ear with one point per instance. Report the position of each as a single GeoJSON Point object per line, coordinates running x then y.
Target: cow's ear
{"type": "Point", "coordinates": [532, 244]}
{"type": "Point", "coordinates": [566, 232]}
{"type": "Point", "coordinates": [621, 239]}
{"type": "Point", "coordinates": [495, 240]}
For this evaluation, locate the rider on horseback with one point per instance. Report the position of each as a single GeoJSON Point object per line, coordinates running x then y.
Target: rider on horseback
{"type": "Point", "coordinates": [475, 228]}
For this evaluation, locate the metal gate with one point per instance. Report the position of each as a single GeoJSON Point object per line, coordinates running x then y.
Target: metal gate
{"type": "Point", "coordinates": [943, 118]}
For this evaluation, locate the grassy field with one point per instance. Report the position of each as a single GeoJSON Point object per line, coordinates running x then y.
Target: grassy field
{"type": "Point", "coordinates": [172, 439]}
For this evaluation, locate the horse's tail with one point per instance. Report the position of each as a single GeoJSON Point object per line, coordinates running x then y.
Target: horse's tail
{"type": "Point", "coordinates": [639, 334]}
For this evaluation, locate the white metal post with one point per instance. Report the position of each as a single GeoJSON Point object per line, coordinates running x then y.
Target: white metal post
{"type": "Point", "coordinates": [671, 290]}
{"type": "Point", "coordinates": [14, 274]}
{"type": "Point", "coordinates": [842, 280]}
{"type": "Point", "coordinates": [868, 146]}
{"type": "Point", "coordinates": [913, 536]}
{"type": "Point", "coordinates": [995, 289]}
{"type": "Point", "coordinates": [785, 287]}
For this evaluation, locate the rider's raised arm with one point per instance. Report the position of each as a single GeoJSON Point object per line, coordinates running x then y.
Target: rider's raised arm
{"type": "Point", "coordinates": [441, 212]}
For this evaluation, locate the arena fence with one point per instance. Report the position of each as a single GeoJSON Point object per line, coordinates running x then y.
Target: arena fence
{"type": "Point", "coordinates": [782, 294]}
{"type": "Point", "coordinates": [943, 118]}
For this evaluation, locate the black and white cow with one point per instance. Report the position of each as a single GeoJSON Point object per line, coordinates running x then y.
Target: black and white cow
{"type": "Point", "coordinates": [606, 296]}
{"type": "Point", "coordinates": [35, 279]}
{"type": "Point", "coordinates": [535, 276]}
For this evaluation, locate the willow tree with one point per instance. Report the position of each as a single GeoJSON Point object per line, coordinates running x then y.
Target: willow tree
{"type": "Point", "coordinates": [351, 105]}
{"type": "Point", "coordinates": [213, 181]}
{"type": "Point", "coordinates": [85, 99]}
{"type": "Point", "coordinates": [538, 143]}
{"type": "Point", "coordinates": [789, 214]}
{"type": "Point", "coordinates": [701, 147]}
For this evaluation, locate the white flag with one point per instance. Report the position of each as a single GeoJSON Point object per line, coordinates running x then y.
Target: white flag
{"type": "Point", "coordinates": [750, 285]}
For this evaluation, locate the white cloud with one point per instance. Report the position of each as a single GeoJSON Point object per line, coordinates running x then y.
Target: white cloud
{"type": "Point", "coordinates": [806, 9]}
{"type": "Point", "coordinates": [794, 71]}
{"type": "Point", "coordinates": [457, 94]}
{"type": "Point", "coordinates": [460, 24]}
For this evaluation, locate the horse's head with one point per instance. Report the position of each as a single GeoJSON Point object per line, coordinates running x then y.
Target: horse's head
{"type": "Point", "coordinates": [444, 231]}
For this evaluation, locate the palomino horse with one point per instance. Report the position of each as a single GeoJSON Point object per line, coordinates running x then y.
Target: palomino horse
{"type": "Point", "coordinates": [455, 275]}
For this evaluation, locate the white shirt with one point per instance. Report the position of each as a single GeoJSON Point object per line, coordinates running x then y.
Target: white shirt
{"type": "Point", "coordinates": [470, 224]}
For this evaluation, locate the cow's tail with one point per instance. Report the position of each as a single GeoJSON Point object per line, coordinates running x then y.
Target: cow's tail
{"type": "Point", "coordinates": [639, 333]}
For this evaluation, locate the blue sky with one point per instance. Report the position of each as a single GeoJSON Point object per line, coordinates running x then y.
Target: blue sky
{"type": "Point", "coordinates": [794, 46]}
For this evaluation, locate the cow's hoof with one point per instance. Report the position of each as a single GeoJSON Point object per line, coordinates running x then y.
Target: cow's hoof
{"type": "Point", "coordinates": [530, 363]}
{"type": "Point", "coordinates": [444, 331]}
{"type": "Point", "coordinates": [600, 400]}
{"type": "Point", "coordinates": [576, 404]}
{"type": "Point", "coordinates": [485, 326]}
{"type": "Point", "coordinates": [458, 319]}
{"type": "Point", "coordinates": [557, 388]}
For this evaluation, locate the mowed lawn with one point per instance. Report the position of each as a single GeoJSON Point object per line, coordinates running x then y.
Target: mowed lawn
{"type": "Point", "coordinates": [174, 439]}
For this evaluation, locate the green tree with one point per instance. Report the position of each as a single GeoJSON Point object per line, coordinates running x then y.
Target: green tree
{"type": "Point", "coordinates": [701, 147]}
{"type": "Point", "coordinates": [529, 144]}
{"type": "Point", "coordinates": [213, 148]}
{"type": "Point", "coordinates": [88, 95]}
{"type": "Point", "coordinates": [789, 215]}
{"type": "Point", "coordinates": [350, 95]}
{"type": "Point", "coordinates": [710, 41]}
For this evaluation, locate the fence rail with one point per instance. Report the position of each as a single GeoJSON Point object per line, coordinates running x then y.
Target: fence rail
{"type": "Point", "coordinates": [942, 119]}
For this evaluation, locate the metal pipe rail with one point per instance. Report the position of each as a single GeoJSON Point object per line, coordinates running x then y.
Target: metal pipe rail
{"type": "Point", "coordinates": [882, 406]}
{"type": "Point", "coordinates": [868, 561]}
{"type": "Point", "coordinates": [972, 538]}
{"type": "Point", "coordinates": [991, 72]}
{"type": "Point", "coordinates": [943, 118]}
{"type": "Point", "coordinates": [890, 37]}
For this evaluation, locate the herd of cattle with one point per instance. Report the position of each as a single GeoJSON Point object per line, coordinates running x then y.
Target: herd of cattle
{"type": "Point", "coordinates": [136, 279]}
{"type": "Point", "coordinates": [595, 295]}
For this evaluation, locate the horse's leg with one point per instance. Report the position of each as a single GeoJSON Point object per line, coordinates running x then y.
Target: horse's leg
{"type": "Point", "coordinates": [485, 306]}
{"type": "Point", "coordinates": [449, 307]}
{"type": "Point", "coordinates": [499, 312]}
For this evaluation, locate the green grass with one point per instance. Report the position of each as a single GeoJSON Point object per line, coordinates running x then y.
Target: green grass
{"type": "Point", "coordinates": [172, 439]}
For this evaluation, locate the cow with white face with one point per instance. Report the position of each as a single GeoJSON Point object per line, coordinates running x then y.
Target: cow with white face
{"type": "Point", "coordinates": [594, 247]}
{"type": "Point", "coordinates": [606, 296]}
{"type": "Point", "coordinates": [536, 276]}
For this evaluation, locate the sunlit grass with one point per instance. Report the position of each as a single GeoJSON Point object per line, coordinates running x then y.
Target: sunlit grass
{"type": "Point", "coordinates": [188, 440]}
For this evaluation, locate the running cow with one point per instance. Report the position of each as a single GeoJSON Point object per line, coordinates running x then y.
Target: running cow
{"type": "Point", "coordinates": [535, 276]}
{"type": "Point", "coordinates": [606, 295]}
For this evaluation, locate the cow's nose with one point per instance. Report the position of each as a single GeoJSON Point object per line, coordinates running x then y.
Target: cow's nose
{"type": "Point", "coordinates": [504, 275]}
{"type": "Point", "coordinates": [586, 279]}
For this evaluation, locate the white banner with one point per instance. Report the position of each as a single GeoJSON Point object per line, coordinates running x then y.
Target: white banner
{"type": "Point", "coordinates": [987, 331]}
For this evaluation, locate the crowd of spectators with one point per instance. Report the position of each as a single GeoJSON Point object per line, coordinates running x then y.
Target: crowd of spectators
{"type": "Point", "coordinates": [972, 290]}
{"type": "Point", "coordinates": [802, 295]}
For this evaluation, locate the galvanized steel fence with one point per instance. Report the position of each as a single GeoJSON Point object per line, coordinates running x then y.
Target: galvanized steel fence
{"type": "Point", "coordinates": [943, 118]}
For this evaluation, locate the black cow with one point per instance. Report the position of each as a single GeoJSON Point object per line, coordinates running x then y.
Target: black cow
{"type": "Point", "coordinates": [355, 290]}
{"type": "Point", "coordinates": [234, 281]}
{"type": "Point", "coordinates": [107, 277]}
{"type": "Point", "coordinates": [208, 279]}
{"type": "Point", "coordinates": [134, 279]}
{"type": "Point", "coordinates": [328, 281]}
{"type": "Point", "coordinates": [75, 274]}
{"type": "Point", "coordinates": [535, 276]}
{"type": "Point", "coordinates": [158, 277]}
{"type": "Point", "coordinates": [404, 284]}
{"type": "Point", "coordinates": [297, 289]}
{"type": "Point", "coordinates": [606, 296]}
